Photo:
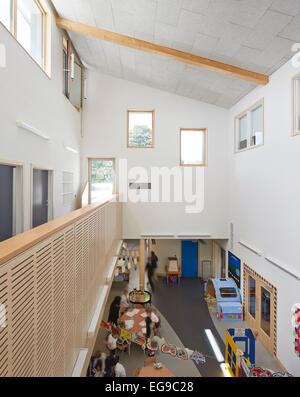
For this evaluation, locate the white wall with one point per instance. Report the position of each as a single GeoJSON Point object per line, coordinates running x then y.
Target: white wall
{"type": "Point", "coordinates": [105, 135]}
{"type": "Point", "coordinates": [28, 94]}
{"type": "Point", "coordinates": [264, 201]}
{"type": "Point", "coordinates": [165, 249]}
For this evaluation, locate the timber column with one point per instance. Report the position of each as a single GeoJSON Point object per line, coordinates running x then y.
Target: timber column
{"type": "Point", "coordinates": [142, 265]}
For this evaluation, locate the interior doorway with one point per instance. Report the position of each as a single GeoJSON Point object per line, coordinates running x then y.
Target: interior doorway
{"type": "Point", "coordinates": [11, 199]}
{"type": "Point", "coordinates": [189, 258]}
{"type": "Point", "coordinates": [41, 195]}
{"type": "Point", "coordinates": [260, 308]}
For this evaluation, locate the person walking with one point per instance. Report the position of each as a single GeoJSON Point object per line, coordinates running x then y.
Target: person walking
{"type": "Point", "coordinates": [150, 272]}
{"type": "Point", "coordinates": [154, 261]}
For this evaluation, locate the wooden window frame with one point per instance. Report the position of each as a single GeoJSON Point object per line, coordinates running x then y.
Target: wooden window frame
{"type": "Point", "coordinates": [247, 112]}
{"type": "Point", "coordinates": [70, 49]}
{"type": "Point", "coordinates": [294, 131]}
{"type": "Point", "coordinates": [153, 120]}
{"type": "Point", "coordinates": [204, 164]}
{"type": "Point", "coordinates": [13, 31]}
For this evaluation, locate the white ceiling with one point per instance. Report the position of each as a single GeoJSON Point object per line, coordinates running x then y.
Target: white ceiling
{"type": "Point", "coordinates": [253, 34]}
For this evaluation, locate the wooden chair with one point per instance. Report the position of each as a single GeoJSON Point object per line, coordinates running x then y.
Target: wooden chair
{"type": "Point", "coordinates": [173, 269]}
{"type": "Point", "coordinates": [150, 360]}
{"type": "Point", "coordinates": [135, 373]}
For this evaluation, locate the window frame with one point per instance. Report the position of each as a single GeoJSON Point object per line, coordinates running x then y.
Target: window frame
{"type": "Point", "coordinates": [294, 131]}
{"type": "Point", "coordinates": [89, 160]}
{"type": "Point", "coordinates": [70, 49]}
{"type": "Point", "coordinates": [204, 164]}
{"type": "Point", "coordinates": [153, 120]}
{"type": "Point", "coordinates": [247, 112]}
{"type": "Point", "coordinates": [14, 29]}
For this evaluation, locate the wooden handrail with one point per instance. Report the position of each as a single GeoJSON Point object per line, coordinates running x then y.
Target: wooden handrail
{"type": "Point", "coordinates": [14, 246]}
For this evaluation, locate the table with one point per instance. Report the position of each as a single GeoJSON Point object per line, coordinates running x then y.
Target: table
{"type": "Point", "coordinates": [151, 372]}
{"type": "Point", "coordinates": [138, 318]}
{"type": "Point", "coordinates": [139, 297]}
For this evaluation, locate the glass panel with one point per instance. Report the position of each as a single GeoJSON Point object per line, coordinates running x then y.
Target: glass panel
{"type": "Point", "coordinates": [192, 147]}
{"type": "Point", "coordinates": [265, 311]}
{"type": "Point", "coordinates": [297, 104]}
{"type": "Point", "coordinates": [140, 129]}
{"type": "Point", "coordinates": [256, 137]}
{"type": "Point", "coordinates": [65, 72]}
{"type": "Point", "coordinates": [242, 128]}
{"type": "Point", "coordinates": [102, 179]}
{"type": "Point", "coordinates": [6, 13]}
{"type": "Point", "coordinates": [30, 28]}
{"type": "Point", "coordinates": [75, 86]}
{"type": "Point", "coordinates": [228, 293]}
{"type": "Point", "coordinates": [251, 296]}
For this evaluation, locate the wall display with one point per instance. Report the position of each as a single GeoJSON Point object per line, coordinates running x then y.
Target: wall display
{"type": "Point", "coordinates": [234, 268]}
{"type": "Point", "coordinates": [296, 326]}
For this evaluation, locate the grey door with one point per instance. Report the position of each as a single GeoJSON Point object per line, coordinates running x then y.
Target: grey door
{"type": "Point", "coordinates": [6, 201]}
{"type": "Point", "coordinates": [40, 197]}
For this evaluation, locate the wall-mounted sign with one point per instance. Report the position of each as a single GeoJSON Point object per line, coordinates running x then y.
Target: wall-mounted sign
{"type": "Point", "coordinates": [234, 268]}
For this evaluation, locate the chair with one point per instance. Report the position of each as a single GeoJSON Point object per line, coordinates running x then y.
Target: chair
{"type": "Point", "coordinates": [150, 360]}
{"type": "Point", "coordinates": [139, 306]}
{"type": "Point", "coordinates": [135, 373]}
{"type": "Point", "coordinates": [173, 269]}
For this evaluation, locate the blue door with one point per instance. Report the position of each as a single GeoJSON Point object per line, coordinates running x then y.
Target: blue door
{"type": "Point", "coordinates": [189, 258]}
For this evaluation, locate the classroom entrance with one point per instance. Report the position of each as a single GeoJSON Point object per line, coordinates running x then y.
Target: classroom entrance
{"type": "Point", "coordinates": [189, 258]}
{"type": "Point", "coordinates": [260, 308]}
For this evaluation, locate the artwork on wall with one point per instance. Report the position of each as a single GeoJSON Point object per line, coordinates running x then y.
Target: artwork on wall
{"type": "Point", "coordinates": [296, 326]}
{"type": "Point", "coordinates": [234, 268]}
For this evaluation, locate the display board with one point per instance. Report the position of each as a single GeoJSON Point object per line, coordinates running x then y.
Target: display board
{"type": "Point", "coordinates": [234, 268]}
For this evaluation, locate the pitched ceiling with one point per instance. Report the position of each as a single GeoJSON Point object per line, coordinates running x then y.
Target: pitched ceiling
{"type": "Point", "coordinates": [253, 34]}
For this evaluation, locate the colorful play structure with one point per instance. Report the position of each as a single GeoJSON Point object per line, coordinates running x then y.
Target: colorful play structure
{"type": "Point", "coordinates": [240, 362]}
{"type": "Point", "coordinates": [229, 304]}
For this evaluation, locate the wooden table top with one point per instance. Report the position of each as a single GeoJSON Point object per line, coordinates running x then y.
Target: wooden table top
{"type": "Point", "coordinates": [151, 372]}
{"type": "Point", "coordinates": [138, 319]}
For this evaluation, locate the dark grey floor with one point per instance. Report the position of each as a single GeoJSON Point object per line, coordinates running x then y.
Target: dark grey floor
{"type": "Point", "coordinates": [186, 311]}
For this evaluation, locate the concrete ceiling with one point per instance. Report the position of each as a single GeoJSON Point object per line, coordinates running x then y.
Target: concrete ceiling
{"type": "Point", "coordinates": [253, 34]}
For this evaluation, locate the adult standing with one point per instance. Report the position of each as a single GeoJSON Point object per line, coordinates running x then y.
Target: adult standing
{"type": "Point", "coordinates": [114, 310]}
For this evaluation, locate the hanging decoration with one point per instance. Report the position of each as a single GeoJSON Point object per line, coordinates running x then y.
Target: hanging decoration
{"type": "Point", "coordinates": [156, 344]}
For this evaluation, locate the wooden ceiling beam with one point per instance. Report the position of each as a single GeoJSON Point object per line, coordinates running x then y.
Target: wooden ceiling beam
{"type": "Point", "coordinates": [166, 52]}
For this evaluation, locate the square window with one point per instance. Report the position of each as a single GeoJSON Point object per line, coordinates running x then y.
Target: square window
{"type": "Point", "coordinates": [6, 13]}
{"type": "Point", "coordinates": [193, 147]}
{"type": "Point", "coordinates": [30, 29]}
{"type": "Point", "coordinates": [249, 127]}
{"type": "Point", "coordinates": [140, 127]}
{"type": "Point", "coordinates": [296, 105]}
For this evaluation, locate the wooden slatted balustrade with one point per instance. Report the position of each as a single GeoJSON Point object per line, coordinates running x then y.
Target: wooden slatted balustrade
{"type": "Point", "coordinates": [51, 278]}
